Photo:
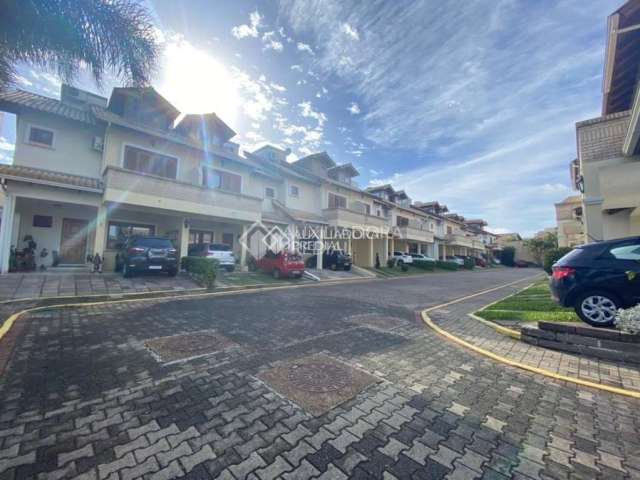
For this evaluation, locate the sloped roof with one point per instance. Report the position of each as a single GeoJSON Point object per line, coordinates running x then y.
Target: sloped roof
{"type": "Point", "coordinates": [323, 157]}
{"type": "Point", "coordinates": [39, 175]}
{"type": "Point", "coordinates": [348, 167]}
{"type": "Point", "coordinates": [15, 100]}
{"type": "Point", "coordinates": [299, 215]}
{"type": "Point", "coordinates": [195, 120]}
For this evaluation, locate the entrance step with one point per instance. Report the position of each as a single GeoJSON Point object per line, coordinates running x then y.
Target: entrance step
{"type": "Point", "coordinates": [604, 343]}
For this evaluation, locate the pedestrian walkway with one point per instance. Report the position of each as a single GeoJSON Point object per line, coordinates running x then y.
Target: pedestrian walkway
{"type": "Point", "coordinates": [35, 285]}
{"type": "Point", "coordinates": [455, 320]}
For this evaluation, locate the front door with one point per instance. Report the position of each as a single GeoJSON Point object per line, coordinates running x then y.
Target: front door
{"type": "Point", "coordinates": [73, 244]}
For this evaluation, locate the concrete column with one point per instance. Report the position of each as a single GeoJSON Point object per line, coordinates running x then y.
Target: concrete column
{"type": "Point", "coordinates": [320, 250]}
{"type": "Point", "coordinates": [6, 231]}
{"type": "Point", "coordinates": [385, 252]}
{"type": "Point", "coordinates": [436, 253]}
{"type": "Point", "coordinates": [243, 249]}
{"type": "Point", "coordinates": [100, 234]}
{"type": "Point", "coordinates": [393, 245]}
{"type": "Point", "coordinates": [372, 253]}
{"type": "Point", "coordinates": [184, 238]}
{"type": "Point", "coordinates": [349, 246]}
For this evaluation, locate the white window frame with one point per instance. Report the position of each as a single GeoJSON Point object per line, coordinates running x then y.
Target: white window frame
{"type": "Point", "coordinates": [291, 194]}
{"type": "Point", "coordinates": [141, 147]}
{"type": "Point", "coordinates": [225, 170]}
{"type": "Point", "coordinates": [37, 144]}
{"type": "Point", "coordinates": [266, 189]}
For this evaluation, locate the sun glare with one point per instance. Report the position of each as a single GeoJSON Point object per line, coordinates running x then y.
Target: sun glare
{"type": "Point", "coordinates": [195, 82]}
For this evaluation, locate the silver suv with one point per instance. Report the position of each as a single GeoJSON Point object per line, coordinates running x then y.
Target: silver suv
{"type": "Point", "coordinates": [220, 251]}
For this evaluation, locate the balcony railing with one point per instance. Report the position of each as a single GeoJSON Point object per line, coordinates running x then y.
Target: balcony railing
{"type": "Point", "coordinates": [129, 187]}
{"type": "Point", "coordinates": [459, 240]}
{"type": "Point", "coordinates": [415, 231]}
{"type": "Point", "coordinates": [347, 218]}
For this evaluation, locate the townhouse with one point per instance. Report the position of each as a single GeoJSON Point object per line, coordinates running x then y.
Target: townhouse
{"type": "Point", "coordinates": [569, 225]}
{"type": "Point", "coordinates": [607, 170]}
{"type": "Point", "coordinates": [89, 171]}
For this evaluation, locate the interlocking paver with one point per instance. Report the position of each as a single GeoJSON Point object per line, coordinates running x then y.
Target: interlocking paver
{"type": "Point", "coordinates": [440, 412]}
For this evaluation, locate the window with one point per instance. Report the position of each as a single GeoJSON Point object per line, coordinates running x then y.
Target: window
{"type": "Point", "coordinates": [42, 221]}
{"type": "Point", "coordinates": [152, 163]}
{"type": "Point", "coordinates": [337, 201]}
{"type": "Point", "coordinates": [213, 178]}
{"type": "Point", "coordinates": [227, 239]}
{"type": "Point", "coordinates": [626, 252]}
{"type": "Point", "coordinates": [197, 236]}
{"type": "Point", "coordinates": [294, 191]}
{"type": "Point", "coordinates": [402, 221]}
{"type": "Point", "coordinates": [40, 136]}
{"type": "Point", "coordinates": [269, 192]}
{"type": "Point", "coordinates": [449, 230]}
{"type": "Point", "coordinates": [432, 227]}
{"type": "Point", "coordinates": [120, 231]}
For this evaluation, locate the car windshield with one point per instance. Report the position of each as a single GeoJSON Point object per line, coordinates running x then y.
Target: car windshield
{"type": "Point", "coordinates": [219, 247]}
{"type": "Point", "coordinates": [151, 242]}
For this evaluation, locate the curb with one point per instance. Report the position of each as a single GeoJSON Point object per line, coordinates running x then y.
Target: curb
{"type": "Point", "coordinates": [541, 371]}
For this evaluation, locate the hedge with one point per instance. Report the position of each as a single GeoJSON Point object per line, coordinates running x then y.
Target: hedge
{"type": "Point", "coordinates": [552, 256]}
{"type": "Point", "coordinates": [424, 264]}
{"type": "Point", "coordinates": [447, 265]}
{"type": "Point", "coordinates": [203, 269]}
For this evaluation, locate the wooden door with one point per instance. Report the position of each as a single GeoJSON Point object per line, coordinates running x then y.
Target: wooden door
{"type": "Point", "coordinates": [73, 245]}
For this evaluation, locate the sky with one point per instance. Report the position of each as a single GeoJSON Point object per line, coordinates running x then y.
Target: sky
{"type": "Point", "coordinates": [470, 103]}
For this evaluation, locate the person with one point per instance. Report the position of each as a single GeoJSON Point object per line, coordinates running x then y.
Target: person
{"type": "Point", "coordinates": [97, 263]}
{"type": "Point", "coordinates": [377, 260]}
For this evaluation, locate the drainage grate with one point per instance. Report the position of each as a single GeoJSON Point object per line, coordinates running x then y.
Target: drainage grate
{"type": "Point", "coordinates": [188, 345]}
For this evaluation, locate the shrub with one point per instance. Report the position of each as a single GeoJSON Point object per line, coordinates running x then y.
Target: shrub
{"type": "Point", "coordinates": [391, 262]}
{"type": "Point", "coordinates": [424, 265]}
{"type": "Point", "coordinates": [628, 321]}
{"type": "Point", "coordinates": [447, 265]}
{"type": "Point", "coordinates": [552, 256]}
{"type": "Point", "coordinates": [507, 256]}
{"type": "Point", "coordinates": [202, 269]}
{"type": "Point", "coordinates": [469, 263]}
{"type": "Point", "coordinates": [404, 267]}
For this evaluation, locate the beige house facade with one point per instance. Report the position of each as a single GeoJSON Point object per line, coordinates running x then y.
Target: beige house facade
{"type": "Point", "coordinates": [89, 171]}
{"type": "Point", "coordinates": [570, 229]}
{"type": "Point", "coordinates": [607, 170]}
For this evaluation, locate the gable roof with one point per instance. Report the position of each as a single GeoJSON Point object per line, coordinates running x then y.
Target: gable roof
{"type": "Point", "coordinates": [193, 121]}
{"type": "Point", "coordinates": [148, 94]}
{"type": "Point", "coordinates": [322, 157]}
{"type": "Point", "coordinates": [348, 167]}
{"type": "Point", "coordinates": [14, 101]}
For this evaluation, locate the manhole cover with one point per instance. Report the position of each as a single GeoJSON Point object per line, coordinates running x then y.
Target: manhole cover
{"type": "Point", "coordinates": [317, 383]}
{"type": "Point", "coordinates": [319, 377]}
{"type": "Point", "coordinates": [382, 322]}
{"type": "Point", "coordinates": [178, 347]}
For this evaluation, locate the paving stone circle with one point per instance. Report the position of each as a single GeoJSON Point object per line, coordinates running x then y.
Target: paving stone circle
{"type": "Point", "coordinates": [319, 377]}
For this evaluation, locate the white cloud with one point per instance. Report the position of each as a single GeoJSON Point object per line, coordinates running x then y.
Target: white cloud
{"type": "Point", "coordinates": [303, 47]}
{"type": "Point", "coordinates": [278, 88]}
{"type": "Point", "coordinates": [270, 43]}
{"type": "Point", "coordinates": [250, 30]}
{"type": "Point", "coordinates": [296, 68]}
{"type": "Point", "coordinates": [23, 81]}
{"type": "Point", "coordinates": [354, 108]}
{"type": "Point", "coordinates": [6, 145]}
{"type": "Point", "coordinates": [308, 112]}
{"type": "Point", "coordinates": [349, 31]}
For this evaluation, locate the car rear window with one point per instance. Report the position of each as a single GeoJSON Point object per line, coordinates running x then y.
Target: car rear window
{"type": "Point", "coordinates": [572, 255]}
{"type": "Point", "coordinates": [150, 242]}
{"type": "Point", "coordinates": [219, 247]}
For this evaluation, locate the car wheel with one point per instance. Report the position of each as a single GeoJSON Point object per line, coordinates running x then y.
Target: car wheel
{"type": "Point", "coordinates": [598, 309]}
{"type": "Point", "coordinates": [173, 272]}
{"type": "Point", "coordinates": [126, 271]}
{"type": "Point", "coordinates": [276, 273]}
{"type": "Point", "coordinates": [347, 268]}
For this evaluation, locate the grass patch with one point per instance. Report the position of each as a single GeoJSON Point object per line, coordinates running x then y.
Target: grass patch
{"type": "Point", "coordinates": [241, 279]}
{"type": "Point", "coordinates": [530, 305]}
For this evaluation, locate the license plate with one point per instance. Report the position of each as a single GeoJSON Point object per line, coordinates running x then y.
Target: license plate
{"type": "Point", "coordinates": [295, 272]}
{"type": "Point", "coordinates": [155, 267]}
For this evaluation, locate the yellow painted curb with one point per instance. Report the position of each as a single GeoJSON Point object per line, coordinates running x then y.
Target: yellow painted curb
{"type": "Point", "coordinates": [499, 328]}
{"type": "Point", "coordinates": [513, 363]}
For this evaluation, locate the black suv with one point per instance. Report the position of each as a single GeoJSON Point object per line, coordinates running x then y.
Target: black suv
{"type": "Point", "coordinates": [599, 278]}
{"type": "Point", "coordinates": [333, 259]}
{"type": "Point", "coordinates": [147, 254]}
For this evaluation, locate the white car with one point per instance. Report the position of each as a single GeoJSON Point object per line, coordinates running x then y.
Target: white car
{"type": "Point", "coordinates": [220, 251]}
{"type": "Point", "coordinates": [422, 258]}
{"type": "Point", "coordinates": [458, 260]}
{"type": "Point", "coordinates": [402, 257]}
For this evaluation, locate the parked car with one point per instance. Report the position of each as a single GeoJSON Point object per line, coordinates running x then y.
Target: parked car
{"type": "Point", "coordinates": [480, 262]}
{"type": "Point", "coordinates": [220, 251]}
{"type": "Point", "coordinates": [422, 258]}
{"type": "Point", "coordinates": [147, 254]}
{"type": "Point", "coordinates": [456, 259]}
{"type": "Point", "coordinates": [521, 264]}
{"type": "Point", "coordinates": [597, 279]}
{"type": "Point", "coordinates": [333, 259]}
{"type": "Point", "coordinates": [282, 264]}
{"type": "Point", "coordinates": [402, 257]}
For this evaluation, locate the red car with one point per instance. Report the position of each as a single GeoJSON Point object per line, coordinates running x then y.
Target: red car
{"type": "Point", "coordinates": [282, 264]}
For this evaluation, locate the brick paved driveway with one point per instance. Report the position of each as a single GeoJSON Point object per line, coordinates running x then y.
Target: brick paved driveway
{"type": "Point", "coordinates": [84, 397]}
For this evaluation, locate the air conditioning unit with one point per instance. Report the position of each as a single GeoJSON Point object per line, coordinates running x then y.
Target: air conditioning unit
{"type": "Point", "coordinates": [98, 143]}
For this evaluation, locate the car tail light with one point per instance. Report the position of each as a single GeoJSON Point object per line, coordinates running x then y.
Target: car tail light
{"type": "Point", "coordinates": [134, 250]}
{"type": "Point", "coordinates": [562, 272]}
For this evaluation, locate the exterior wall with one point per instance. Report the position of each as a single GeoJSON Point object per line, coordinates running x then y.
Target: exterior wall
{"type": "Point", "coordinates": [569, 226]}
{"type": "Point", "coordinates": [309, 196]}
{"type": "Point", "coordinates": [72, 150]}
{"type": "Point", "coordinates": [610, 178]}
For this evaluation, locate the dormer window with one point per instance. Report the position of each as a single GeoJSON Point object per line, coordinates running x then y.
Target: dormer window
{"type": "Point", "coordinates": [294, 191]}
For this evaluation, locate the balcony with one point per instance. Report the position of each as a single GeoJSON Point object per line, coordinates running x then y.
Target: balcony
{"type": "Point", "coordinates": [416, 232]}
{"type": "Point", "coordinates": [346, 218]}
{"type": "Point", "coordinates": [132, 188]}
{"type": "Point", "coordinates": [457, 240]}
{"type": "Point", "coordinates": [478, 245]}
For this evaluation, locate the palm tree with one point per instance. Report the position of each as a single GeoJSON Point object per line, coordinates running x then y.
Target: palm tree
{"type": "Point", "coordinates": [67, 35]}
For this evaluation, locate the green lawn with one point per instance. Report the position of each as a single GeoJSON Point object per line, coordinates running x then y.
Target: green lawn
{"type": "Point", "coordinates": [240, 279]}
{"type": "Point", "coordinates": [532, 304]}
